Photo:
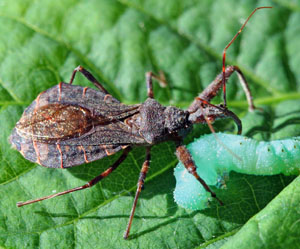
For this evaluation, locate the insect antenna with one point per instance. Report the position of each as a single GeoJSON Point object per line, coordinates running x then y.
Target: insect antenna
{"type": "Point", "coordinates": [229, 44]}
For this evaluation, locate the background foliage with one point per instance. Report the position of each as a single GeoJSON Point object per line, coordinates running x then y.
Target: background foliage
{"type": "Point", "coordinates": [41, 42]}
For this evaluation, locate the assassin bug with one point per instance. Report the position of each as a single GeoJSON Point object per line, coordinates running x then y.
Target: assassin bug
{"type": "Point", "coordinates": [70, 125]}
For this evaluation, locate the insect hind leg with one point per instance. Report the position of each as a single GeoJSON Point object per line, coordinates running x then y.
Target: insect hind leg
{"type": "Point", "coordinates": [87, 185]}
{"type": "Point", "coordinates": [140, 186]}
{"type": "Point", "coordinates": [89, 76]}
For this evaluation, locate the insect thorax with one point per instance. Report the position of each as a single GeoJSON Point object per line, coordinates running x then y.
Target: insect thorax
{"type": "Point", "coordinates": [159, 123]}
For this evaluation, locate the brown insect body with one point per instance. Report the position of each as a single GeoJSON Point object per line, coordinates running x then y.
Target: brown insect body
{"type": "Point", "coordinates": [70, 125]}
{"type": "Point", "coordinates": [63, 116]}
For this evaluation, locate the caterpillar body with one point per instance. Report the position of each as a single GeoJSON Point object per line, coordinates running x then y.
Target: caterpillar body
{"type": "Point", "coordinates": [214, 161]}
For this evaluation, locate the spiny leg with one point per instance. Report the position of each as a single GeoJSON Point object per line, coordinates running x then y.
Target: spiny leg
{"type": "Point", "coordinates": [185, 157]}
{"type": "Point", "coordinates": [87, 185]}
{"type": "Point", "coordinates": [246, 88]}
{"type": "Point", "coordinates": [161, 79]}
{"type": "Point", "coordinates": [89, 76]}
{"type": "Point", "coordinates": [213, 88]}
{"type": "Point", "coordinates": [140, 185]}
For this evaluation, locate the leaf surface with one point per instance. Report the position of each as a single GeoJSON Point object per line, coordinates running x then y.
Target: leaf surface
{"type": "Point", "coordinates": [41, 42]}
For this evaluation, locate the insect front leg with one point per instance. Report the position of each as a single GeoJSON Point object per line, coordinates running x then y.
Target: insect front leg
{"type": "Point", "coordinates": [87, 185]}
{"type": "Point", "coordinates": [140, 186]}
{"type": "Point", "coordinates": [185, 157]}
{"type": "Point", "coordinates": [89, 76]}
{"type": "Point", "coordinates": [214, 111]}
{"type": "Point", "coordinates": [213, 88]}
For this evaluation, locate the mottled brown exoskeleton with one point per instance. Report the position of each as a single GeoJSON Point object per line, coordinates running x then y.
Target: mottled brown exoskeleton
{"type": "Point", "coordinates": [70, 125]}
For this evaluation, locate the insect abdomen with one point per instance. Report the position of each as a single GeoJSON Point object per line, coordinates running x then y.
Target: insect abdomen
{"type": "Point", "coordinates": [53, 155]}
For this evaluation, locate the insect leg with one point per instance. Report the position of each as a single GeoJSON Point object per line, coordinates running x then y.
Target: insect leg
{"type": "Point", "coordinates": [140, 185]}
{"type": "Point", "coordinates": [212, 89]}
{"type": "Point", "coordinates": [161, 79]}
{"type": "Point", "coordinates": [223, 111]}
{"type": "Point", "coordinates": [89, 76]}
{"type": "Point", "coordinates": [246, 88]}
{"type": "Point", "coordinates": [185, 157]}
{"type": "Point", "coordinates": [87, 185]}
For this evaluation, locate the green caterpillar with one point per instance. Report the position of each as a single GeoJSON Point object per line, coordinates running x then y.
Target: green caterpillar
{"type": "Point", "coordinates": [214, 160]}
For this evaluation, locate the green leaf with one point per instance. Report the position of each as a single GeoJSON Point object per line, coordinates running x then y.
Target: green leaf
{"type": "Point", "coordinates": [276, 226]}
{"type": "Point", "coordinates": [41, 42]}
